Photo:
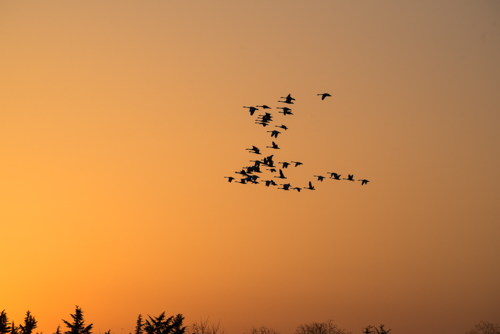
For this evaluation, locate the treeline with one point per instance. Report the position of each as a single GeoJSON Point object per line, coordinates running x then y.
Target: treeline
{"type": "Point", "coordinates": [175, 325]}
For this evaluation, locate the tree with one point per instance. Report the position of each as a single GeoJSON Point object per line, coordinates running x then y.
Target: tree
{"type": "Point", "coordinates": [78, 326]}
{"type": "Point", "coordinates": [58, 330]}
{"type": "Point", "coordinates": [160, 325]}
{"type": "Point", "coordinates": [205, 327]}
{"type": "Point", "coordinates": [29, 324]}
{"type": "Point", "coordinates": [382, 330]}
{"type": "Point", "coordinates": [485, 327]}
{"type": "Point", "coordinates": [262, 330]}
{"type": "Point", "coordinates": [327, 327]}
{"type": "Point", "coordinates": [4, 323]}
{"type": "Point", "coordinates": [139, 325]}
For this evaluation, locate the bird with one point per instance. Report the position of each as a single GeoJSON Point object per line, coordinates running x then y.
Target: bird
{"type": "Point", "coordinates": [297, 188]}
{"type": "Point", "coordinates": [252, 110]}
{"type": "Point", "coordinates": [320, 178]}
{"type": "Point", "coordinates": [286, 111]}
{"type": "Point", "coordinates": [273, 170]}
{"type": "Point", "coordinates": [288, 99]}
{"type": "Point", "coordinates": [310, 186]}
{"type": "Point", "coordinates": [275, 146]}
{"type": "Point", "coordinates": [324, 95]}
{"type": "Point", "coordinates": [230, 178]}
{"type": "Point", "coordinates": [334, 176]}
{"type": "Point", "coordinates": [274, 133]}
{"type": "Point", "coordinates": [286, 186]}
{"type": "Point", "coordinates": [284, 127]}
{"type": "Point", "coordinates": [243, 181]}
{"type": "Point", "coordinates": [297, 163]}
{"type": "Point", "coordinates": [350, 177]}
{"type": "Point", "coordinates": [270, 182]}
{"type": "Point", "coordinates": [364, 181]}
{"type": "Point", "coordinates": [254, 149]}
{"type": "Point", "coordinates": [264, 107]}
{"type": "Point", "coordinates": [282, 176]}
{"type": "Point", "coordinates": [285, 164]}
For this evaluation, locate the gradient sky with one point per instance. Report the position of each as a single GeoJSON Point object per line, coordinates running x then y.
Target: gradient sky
{"type": "Point", "coordinates": [120, 119]}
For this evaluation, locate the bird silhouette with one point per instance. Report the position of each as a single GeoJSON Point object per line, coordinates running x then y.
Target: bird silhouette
{"type": "Point", "coordinates": [286, 111]}
{"type": "Point", "coordinates": [230, 178]}
{"type": "Point", "coordinates": [282, 176]}
{"type": "Point", "coordinates": [252, 110]}
{"type": "Point", "coordinates": [286, 186]}
{"type": "Point", "coordinates": [264, 107]}
{"type": "Point", "coordinates": [364, 181]}
{"type": "Point", "coordinates": [334, 176]}
{"type": "Point", "coordinates": [254, 149]}
{"type": "Point", "coordinates": [297, 188]}
{"type": "Point", "coordinates": [274, 133]}
{"type": "Point", "coordinates": [324, 95]}
{"type": "Point", "coordinates": [284, 127]}
{"type": "Point", "coordinates": [297, 163]}
{"type": "Point", "coordinates": [310, 186]}
{"type": "Point", "coordinates": [275, 146]}
{"type": "Point", "coordinates": [270, 182]}
{"type": "Point", "coordinates": [320, 178]}
{"type": "Point", "coordinates": [288, 99]}
{"type": "Point", "coordinates": [285, 164]}
{"type": "Point", "coordinates": [350, 177]}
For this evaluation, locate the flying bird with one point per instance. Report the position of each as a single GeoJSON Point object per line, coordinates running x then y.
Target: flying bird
{"type": "Point", "coordinates": [334, 176]}
{"type": "Point", "coordinates": [324, 95]}
{"type": "Point", "coordinates": [282, 176]}
{"type": "Point", "coordinates": [350, 177]}
{"type": "Point", "coordinates": [274, 133]}
{"type": "Point", "coordinates": [297, 163]}
{"type": "Point", "coordinates": [286, 111]}
{"type": "Point", "coordinates": [310, 186]}
{"type": "Point", "coordinates": [254, 149]}
{"type": "Point", "coordinates": [284, 127]}
{"type": "Point", "coordinates": [286, 186]}
{"type": "Point", "coordinates": [364, 181]}
{"type": "Point", "coordinates": [275, 146]}
{"type": "Point", "coordinates": [252, 110]}
{"type": "Point", "coordinates": [230, 178]}
{"type": "Point", "coordinates": [264, 107]}
{"type": "Point", "coordinates": [288, 99]}
{"type": "Point", "coordinates": [320, 178]}
{"type": "Point", "coordinates": [285, 164]}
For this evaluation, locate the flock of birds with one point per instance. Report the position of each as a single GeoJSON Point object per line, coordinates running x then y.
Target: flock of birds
{"type": "Point", "coordinates": [250, 174]}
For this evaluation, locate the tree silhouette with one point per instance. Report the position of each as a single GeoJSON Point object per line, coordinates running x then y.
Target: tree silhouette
{"type": "Point", "coordinates": [58, 330]}
{"type": "Point", "coordinates": [4, 323]}
{"type": "Point", "coordinates": [139, 325]}
{"type": "Point", "coordinates": [29, 324]}
{"type": "Point", "coordinates": [205, 327]}
{"type": "Point", "coordinates": [382, 330]}
{"type": "Point", "coordinates": [262, 330]}
{"type": "Point", "coordinates": [78, 326]}
{"type": "Point", "coordinates": [327, 327]}
{"type": "Point", "coordinates": [485, 327]}
{"type": "Point", "coordinates": [161, 325]}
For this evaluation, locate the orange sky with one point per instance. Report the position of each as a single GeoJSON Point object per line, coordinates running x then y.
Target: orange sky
{"type": "Point", "coordinates": [120, 119]}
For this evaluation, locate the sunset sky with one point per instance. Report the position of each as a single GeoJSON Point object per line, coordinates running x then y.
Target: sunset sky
{"type": "Point", "coordinates": [119, 121]}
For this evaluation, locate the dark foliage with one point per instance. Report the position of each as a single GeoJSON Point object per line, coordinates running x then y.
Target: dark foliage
{"type": "Point", "coordinates": [78, 325]}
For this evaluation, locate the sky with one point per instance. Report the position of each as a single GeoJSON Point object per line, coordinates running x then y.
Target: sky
{"type": "Point", "coordinates": [119, 121]}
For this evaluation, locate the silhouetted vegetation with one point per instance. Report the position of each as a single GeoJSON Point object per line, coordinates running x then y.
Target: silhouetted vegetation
{"type": "Point", "coordinates": [205, 327]}
{"type": "Point", "coordinates": [174, 325]}
{"type": "Point", "coordinates": [78, 325]}
{"type": "Point", "coordinates": [163, 325]}
{"type": "Point", "coordinates": [262, 330]}
{"type": "Point", "coordinates": [327, 327]}
{"type": "Point", "coordinates": [485, 327]}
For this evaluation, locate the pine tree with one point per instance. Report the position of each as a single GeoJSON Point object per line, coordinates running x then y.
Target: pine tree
{"type": "Point", "coordinates": [139, 325]}
{"type": "Point", "coordinates": [4, 323]}
{"type": "Point", "coordinates": [78, 326]}
{"type": "Point", "coordinates": [29, 324]}
{"type": "Point", "coordinates": [160, 325]}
